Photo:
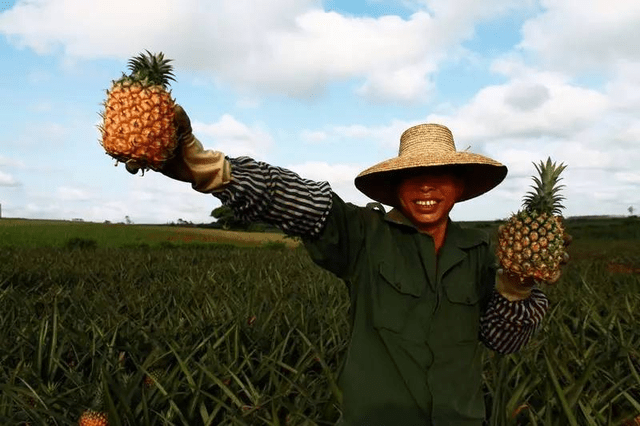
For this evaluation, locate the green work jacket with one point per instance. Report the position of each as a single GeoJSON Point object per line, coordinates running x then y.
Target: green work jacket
{"type": "Point", "coordinates": [414, 356]}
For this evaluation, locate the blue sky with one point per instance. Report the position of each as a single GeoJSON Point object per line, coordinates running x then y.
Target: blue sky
{"type": "Point", "coordinates": [324, 88]}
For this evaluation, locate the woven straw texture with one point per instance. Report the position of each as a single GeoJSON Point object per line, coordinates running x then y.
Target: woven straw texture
{"type": "Point", "coordinates": [430, 146]}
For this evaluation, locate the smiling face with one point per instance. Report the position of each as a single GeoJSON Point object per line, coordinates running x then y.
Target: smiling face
{"type": "Point", "coordinates": [427, 197]}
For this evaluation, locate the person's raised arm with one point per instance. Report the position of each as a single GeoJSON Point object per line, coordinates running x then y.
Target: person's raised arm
{"type": "Point", "coordinates": [255, 191]}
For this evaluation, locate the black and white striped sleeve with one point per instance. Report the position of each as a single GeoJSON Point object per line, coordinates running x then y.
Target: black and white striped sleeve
{"type": "Point", "coordinates": [506, 327]}
{"type": "Point", "coordinates": [259, 192]}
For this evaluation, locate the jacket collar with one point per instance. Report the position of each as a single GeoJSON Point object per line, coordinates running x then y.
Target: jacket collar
{"type": "Point", "coordinates": [456, 235]}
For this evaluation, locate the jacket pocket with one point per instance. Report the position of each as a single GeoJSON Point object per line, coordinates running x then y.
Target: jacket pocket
{"type": "Point", "coordinates": [395, 295]}
{"type": "Point", "coordinates": [462, 310]}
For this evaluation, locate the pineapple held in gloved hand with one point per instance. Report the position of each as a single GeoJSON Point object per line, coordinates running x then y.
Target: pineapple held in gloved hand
{"type": "Point", "coordinates": [207, 171]}
{"type": "Point", "coordinates": [531, 245]}
{"type": "Point", "coordinates": [144, 128]}
{"type": "Point", "coordinates": [137, 122]}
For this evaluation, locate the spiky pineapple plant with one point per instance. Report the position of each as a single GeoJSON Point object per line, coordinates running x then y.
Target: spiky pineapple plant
{"type": "Point", "coordinates": [138, 113]}
{"type": "Point", "coordinates": [531, 243]}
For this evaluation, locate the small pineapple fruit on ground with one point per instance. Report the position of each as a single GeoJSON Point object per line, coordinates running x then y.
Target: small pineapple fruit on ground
{"type": "Point", "coordinates": [93, 418]}
{"type": "Point", "coordinates": [153, 377]}
{"type": "Point", "coordinates": [95, 414]}
{"type": "Point", "coordinates": [138, 114]}
{"type": "Point", "coordinates": [531, 243]}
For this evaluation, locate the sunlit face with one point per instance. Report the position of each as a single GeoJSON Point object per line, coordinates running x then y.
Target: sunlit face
{"type": "Point", "coordinates": [426, 198]}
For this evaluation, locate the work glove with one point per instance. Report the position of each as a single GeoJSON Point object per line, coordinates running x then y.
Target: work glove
{"type": "Point", "coordinates": [207, 171]}
{"type": "Point", "coordinates": [513, 287]}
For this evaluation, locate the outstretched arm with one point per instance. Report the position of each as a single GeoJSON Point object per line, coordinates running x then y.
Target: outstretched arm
{"type": "Point", "coordinates": [255, 191]}
{"type": "Point", "coordinates": [261, 192]}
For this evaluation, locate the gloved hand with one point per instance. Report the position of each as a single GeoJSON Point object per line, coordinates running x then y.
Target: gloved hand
{"type": "Point", "coordinates": [513, 287]}
{"type": "Point", "coordinates": [207, 171]}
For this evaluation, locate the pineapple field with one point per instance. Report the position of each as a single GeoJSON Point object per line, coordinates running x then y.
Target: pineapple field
{"type": "Point", "coordinates": [134, 325]}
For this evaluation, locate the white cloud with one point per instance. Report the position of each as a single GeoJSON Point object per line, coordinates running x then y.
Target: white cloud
{"type": "Point", "coordinates": [407, 84]}
{"type": "Point", "coordinates": [8, 180]}
{"type": "Point", "coordinates": [624, 86]}
{"type": "Point", "coordinates": [234, 138]}
{"type": "Point", "coordinates": [10, 162]}
{"type": "Point", "coordinates": [628, 177]}
{"type": "Point", "coordinates": [532, 103]}
{"type": "Point", "coordinates": [322, 171]}
{"type": "Point", "coordinates": [385, 136]}
{"type": "Point", "coordinates": [313, 136]}
{"type": "Point", "coordinates": [466, 11]}
{"type": "Point", "coordinates": [584, 36]}
{"type": "Point", "coordinates": [291, 47]}
{"type": "Point", "coordinates": [66, 193]}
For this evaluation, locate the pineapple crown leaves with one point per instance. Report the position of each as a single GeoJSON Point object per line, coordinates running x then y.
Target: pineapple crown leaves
{"type": "Point", "coordinates": [545, 197]}
{"type": "Point", "coordinates": [154, 69]}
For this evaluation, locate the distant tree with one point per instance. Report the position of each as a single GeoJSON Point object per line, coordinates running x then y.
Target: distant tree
{"type": "Point", "coordinates": [128, 220]}
{"type": "Point", "coordinates": [225, 217]}
{"type": "Point", "coordinates": [631, 210]}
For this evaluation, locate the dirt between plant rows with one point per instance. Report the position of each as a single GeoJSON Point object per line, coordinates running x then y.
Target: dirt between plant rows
{"type": "Point", "coordinates": [621, 268]}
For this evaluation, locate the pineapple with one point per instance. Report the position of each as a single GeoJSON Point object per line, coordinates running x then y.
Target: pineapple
{"type": "Point", "coordinates": [138, 114]}
{"type": "Point", "coordinates": [153, 377]}
{"type": "Point", "coordinates": [531, 243]}
{"type": "Point", "coordinates": [93, 418]}
{"type": "Point", "coordinates": [95, 415]}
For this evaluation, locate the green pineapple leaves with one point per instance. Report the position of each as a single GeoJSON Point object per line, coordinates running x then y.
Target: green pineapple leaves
{"type": "Point", "coordinates": [153, 68]}
{"type": "Point", "coordinates": [545, 197]}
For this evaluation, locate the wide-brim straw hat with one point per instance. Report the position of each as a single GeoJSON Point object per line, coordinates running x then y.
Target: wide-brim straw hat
{"type": "Point", "coordinates": [430, 147]}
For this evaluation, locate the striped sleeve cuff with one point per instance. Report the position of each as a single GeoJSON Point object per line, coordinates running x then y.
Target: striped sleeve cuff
{"type": "Point", "coordinates": [506, 327]}
{"type": "Point", "coordinates": [259, 192]}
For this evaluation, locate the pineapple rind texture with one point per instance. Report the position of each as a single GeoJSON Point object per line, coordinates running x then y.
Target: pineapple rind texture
{"type": "Point", "coordinates": [138, 116]}
{"type": "Point", "coordinates": [531, 243]}
{"type": "Point", "coordinates": [93, 418]}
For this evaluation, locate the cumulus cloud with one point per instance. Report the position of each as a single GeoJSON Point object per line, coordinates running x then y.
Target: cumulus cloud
{"type": "Point", "coordinates": [624, 86]}
{"type": "Point", "coordinates": [234, 138]}
{"type": "Point", "coordinates": [385, 136]}
{"type": "Point", "coordinates": [290, 47]}
{"type": "Point", "coordinates": [584, 36]}
{"type": "Point", "coordinates": [322, 171]}
{"type": "Point", "coordinates": [532, 103]}
{"type": "Point", "coordinates": [7, 180]}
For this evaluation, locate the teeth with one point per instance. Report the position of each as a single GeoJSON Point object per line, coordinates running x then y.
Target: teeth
{"type": "Point", "coordinates": [426, 203]}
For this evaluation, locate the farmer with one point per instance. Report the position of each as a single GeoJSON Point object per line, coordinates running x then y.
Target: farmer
{"type": "Point", "coordinates": [425, 293]}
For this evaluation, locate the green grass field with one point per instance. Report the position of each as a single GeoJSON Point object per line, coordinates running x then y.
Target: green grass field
{"type": "Point", "coordinates": [237, 335]}
{"type": "Point", "coordinates": [52, 233]}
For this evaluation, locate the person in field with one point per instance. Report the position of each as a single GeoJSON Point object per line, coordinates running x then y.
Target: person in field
{"type": "Point", "coordinates": [426, 294]}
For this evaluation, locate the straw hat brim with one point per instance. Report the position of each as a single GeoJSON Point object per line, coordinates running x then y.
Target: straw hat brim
{"type": "Point", "coordinates": [479, 174]}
